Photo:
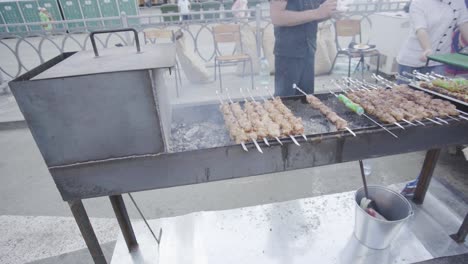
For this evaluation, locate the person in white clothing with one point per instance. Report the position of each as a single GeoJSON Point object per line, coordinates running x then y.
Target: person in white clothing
{"type": "Point", "coordinates": [240, 5]}
{"type": "Point", "coordinates": [432, 25]}
{"type": "Point", "coordinates": [184, 8]}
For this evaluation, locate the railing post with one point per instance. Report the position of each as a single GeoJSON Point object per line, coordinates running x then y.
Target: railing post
{"type": "Point", "coordinates": [124, 19]}
{"type": "Point", "coordinates": [258, 31]}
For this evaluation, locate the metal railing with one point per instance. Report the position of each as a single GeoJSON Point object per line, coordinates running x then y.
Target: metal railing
{"type": "Point", "coordinates": [21, 52]}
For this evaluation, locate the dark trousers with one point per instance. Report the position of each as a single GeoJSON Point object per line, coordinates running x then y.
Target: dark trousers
{"type": "Point", "coordinates": [185, 17]}
{"type": "Point", "coordinates": [289, 70]}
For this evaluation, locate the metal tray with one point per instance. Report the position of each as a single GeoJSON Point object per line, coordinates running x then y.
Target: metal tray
{"type": "Point", "coordinates": [442, 96]}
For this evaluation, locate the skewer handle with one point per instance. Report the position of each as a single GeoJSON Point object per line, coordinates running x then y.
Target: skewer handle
{"type": "Point", "coordinates": [299, 89]}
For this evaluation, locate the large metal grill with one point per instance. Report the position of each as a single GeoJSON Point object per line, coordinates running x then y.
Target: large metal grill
{"type": "Point", "coordinates": [109, 129]}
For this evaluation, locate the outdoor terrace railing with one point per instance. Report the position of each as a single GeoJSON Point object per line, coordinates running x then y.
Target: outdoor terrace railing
{"type": "Point", "coordinates": [21, 52]}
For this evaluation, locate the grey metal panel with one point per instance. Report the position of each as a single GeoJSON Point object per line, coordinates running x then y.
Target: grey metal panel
{"type": "Point", "coordinates": [113, 60]}
{"type": "Point", "coordinates": [168, 170]}
{"type": "Point", "coordinates": [91, 117]}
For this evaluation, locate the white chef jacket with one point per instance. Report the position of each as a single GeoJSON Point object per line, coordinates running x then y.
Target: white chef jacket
{"type": "Point", "coordinates": [439, 18]}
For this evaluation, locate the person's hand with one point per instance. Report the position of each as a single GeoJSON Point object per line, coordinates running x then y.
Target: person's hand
{"type": "Point", "coordinates": [425, 54]}
{"type": "Point", "coordinates": [326, 9]}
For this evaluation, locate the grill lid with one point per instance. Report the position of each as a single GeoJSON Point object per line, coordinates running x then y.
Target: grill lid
{"type": "Point", "coordinates": [117, 59]}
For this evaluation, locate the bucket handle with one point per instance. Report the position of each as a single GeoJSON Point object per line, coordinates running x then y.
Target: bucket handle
{"type": "Point", "coordinates": [93, 41]}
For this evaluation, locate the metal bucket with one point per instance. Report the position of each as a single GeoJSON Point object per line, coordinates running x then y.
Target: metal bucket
{"type": "Point", "coordinates": [375, 233]}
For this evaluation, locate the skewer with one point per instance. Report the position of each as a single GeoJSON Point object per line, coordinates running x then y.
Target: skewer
{"type": "Point", "coordinates": [245, 98]}
{"type": "Point", "coordinates": [253, 139]}
{"type": "Point", "coordinates": [402, 78]}
{"type": "Point", "coordinates": [256, 145]}
{"type": "Point", "coordinates": [441, 120]}
{"type": "Point", "coordinates": [409, 122]}
{"type": "Point", "coordinates": [356, 84]}
{"type": "Point", "coordinates": [466, 118]}
{"type": "Point", "coordinates": [389, 83]}
{"type": "Point", "coordinates": [304, 93]}
{"type": "Point", "coordinates": [421, 123]}
{"type": "Point", "coordinates": [400, 126]}
{"type": "Point", "coordinates": [460, 111]}
{"type": "Point", "coordinates": [292, 138]}
{"type": "Point", "coordinates": [244, 147]}
{"type": "Point", "coordinates": [376, 121]}
{"type": "Point", "coordinates": [439, 76]}
{"type": "Point", "coordinates": [221, 102]}
{"type": "Point", "coordinates": [253, 99]}
{"type": "Point", "coordinates": [380, 125]}
{"type": "Point", "coordinates": [383, 80]}
{"type": "Point", "coordinates": [415, 76]}
{"type": "Point", "coordinates": [427, 75]}
{"type": "Point", "coordinates": [272, 97]}
{"type": "Point", "coordinates": [350, 131]}
{"type": "Point", "coordinates": [453, 118]}
{"type": "Point", "coordinates": [432, 120]}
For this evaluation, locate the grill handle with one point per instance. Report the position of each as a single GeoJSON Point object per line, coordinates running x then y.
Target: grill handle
{"type": "Point", "coordinates": [93, 41]}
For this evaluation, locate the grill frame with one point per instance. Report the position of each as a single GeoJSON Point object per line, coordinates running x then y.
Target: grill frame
{"type": "Point", "coordinates": [114, 175]}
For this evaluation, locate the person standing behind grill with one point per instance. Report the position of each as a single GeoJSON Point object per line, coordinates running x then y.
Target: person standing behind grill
{"type": "Point", "coordinates": [184, 8]}
{"type": "Point", "coordinates": [295, 31]}
{"type": "Point", "coordinates": [432, 22]}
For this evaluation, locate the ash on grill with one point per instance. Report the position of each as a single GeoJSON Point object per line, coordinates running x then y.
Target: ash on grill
{"type": "Point", "coordinates": [198, 136]}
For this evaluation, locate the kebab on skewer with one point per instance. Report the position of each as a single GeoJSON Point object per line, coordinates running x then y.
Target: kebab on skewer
{"type": "Point", "coordinates": [339, 122]}
{"type": "Point", "coordinates": [235, 130]}
{"type": "Point", "coordinates": [296, 122]}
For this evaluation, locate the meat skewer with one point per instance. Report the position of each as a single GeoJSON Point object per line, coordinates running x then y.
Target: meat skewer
{"type": "Point", "coordinates": [235, 131]}
{"type": "Point", "coordinates": [392, 115]}
{"type": "Point", "coordinates": [242, 117]}
{"type": "Point", "coordinates": [375, 122]}
{"type": "Point", "coordinates": [262, 122]}
{"type": "Point", "coordinates": [336, 120]}
{"type": "Point", "coordinates": [261, 110]}
{"type": "Point", "coordinates": [296, 122]}
{"type": "Point", "coordinates": [374, 98]}
{"type": "Point", "coordinates": [286, 127]}
{"type": "Point", "coordinates": [362, 85]}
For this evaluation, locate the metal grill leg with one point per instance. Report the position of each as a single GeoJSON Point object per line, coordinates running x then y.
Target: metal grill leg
{"type": "Point", "coordinates": [82, 220]}
{"type": "Point", "coordinates": [426, 175]}
{"type": "Point", "coordinates": [220, 79]}
{"type": "Point", "coordinates": [124, 221]}
{"type": "Point", "coordinates": [460, 236]}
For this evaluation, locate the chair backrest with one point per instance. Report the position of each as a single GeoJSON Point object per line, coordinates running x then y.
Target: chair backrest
{"type": "Point", "coordinates": [170, 8]}
{"type": "Point", "coordinates": [152, 35]}
{"type": "Point", "coordinates": [226, 33]}
{"type": "Point", "coordinates": [347, 28]}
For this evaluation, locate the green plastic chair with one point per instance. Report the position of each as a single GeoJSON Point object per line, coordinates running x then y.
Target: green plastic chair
{"type": "Point", "coordinates": [195, 7]}
{"type": "Point", "coordinates": [170, 8]}
{"type": "Point", "coordinates": [211, 6]}
{"type": "Point", "coordinates": [227, 7]}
